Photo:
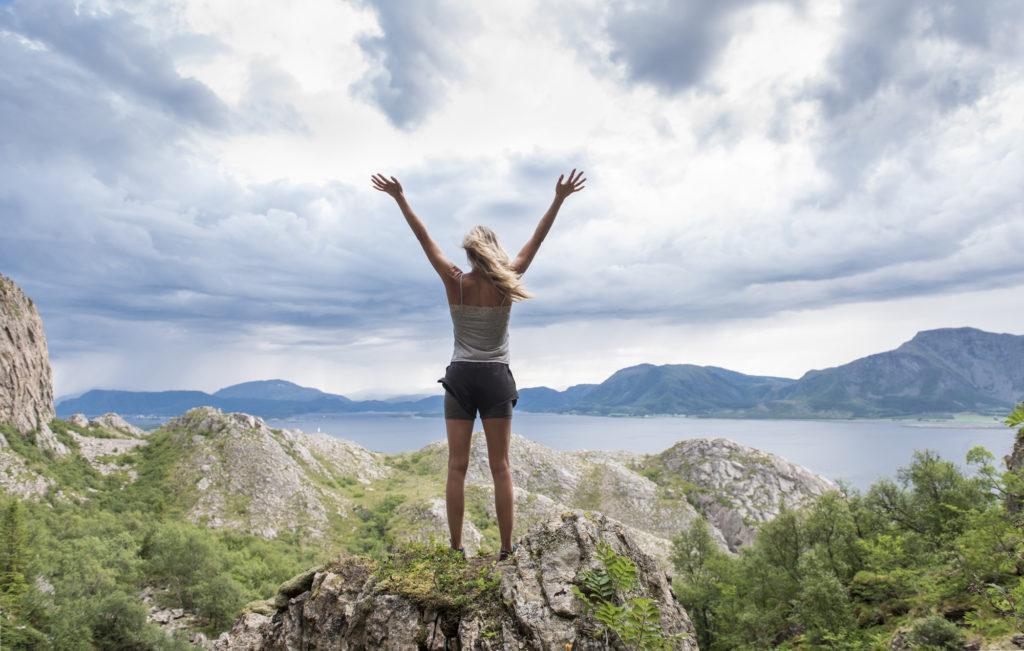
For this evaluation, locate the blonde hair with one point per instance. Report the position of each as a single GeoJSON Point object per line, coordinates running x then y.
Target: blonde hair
{"type": "Point", "coordinates": [485, 253]}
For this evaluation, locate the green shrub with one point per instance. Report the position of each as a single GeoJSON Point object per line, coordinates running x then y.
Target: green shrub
{"type": "Point", "coordinates": [935, 632]}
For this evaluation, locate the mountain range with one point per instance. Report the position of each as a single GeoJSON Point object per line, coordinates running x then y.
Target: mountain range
{"type": "Point", "coordinates": [937, 373]}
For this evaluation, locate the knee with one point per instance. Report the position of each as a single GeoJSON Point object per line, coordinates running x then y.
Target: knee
{"type": "Point", "coordinates": [499, 468]}
{"type": "Point", "coordinates": [458, 467]}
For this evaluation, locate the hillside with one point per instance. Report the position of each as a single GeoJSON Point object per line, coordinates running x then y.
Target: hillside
{"type": "Point", "coordinates": [232, 471]}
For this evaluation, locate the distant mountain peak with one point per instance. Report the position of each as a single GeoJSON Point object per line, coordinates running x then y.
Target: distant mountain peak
{"type": "Point", "coordinates": [950, 331]}
{"type": "Point", "coordinates": [275, 389]}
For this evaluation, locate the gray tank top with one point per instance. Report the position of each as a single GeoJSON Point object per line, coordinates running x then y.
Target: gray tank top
{"type": "Point", "coordinates": [481, 331]}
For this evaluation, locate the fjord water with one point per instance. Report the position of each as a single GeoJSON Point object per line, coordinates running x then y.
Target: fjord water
{"type": "Point", "coordinates": [858, 451]}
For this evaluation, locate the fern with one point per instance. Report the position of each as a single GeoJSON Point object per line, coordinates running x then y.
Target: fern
{"type": "Point", "coordinates": [605, 592]}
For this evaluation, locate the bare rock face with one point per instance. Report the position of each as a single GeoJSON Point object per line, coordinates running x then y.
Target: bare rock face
{"type": "Point", "coordinates": [343, 605]}
{"type": "Point", "coordinates": [737, 487]}
{"type": "Point", "coordinates": [26, 384]}
{"type": "Point", "coordinates": [26, 381]}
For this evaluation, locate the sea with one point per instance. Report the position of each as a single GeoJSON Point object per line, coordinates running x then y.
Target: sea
{"type": "Point", "coordinates": [858, 452]}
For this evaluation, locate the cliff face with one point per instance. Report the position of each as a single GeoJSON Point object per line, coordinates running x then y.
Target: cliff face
{"type": "Point", "coordinates": [26, 381]}
{"type": "Point", "coordinates": [348, 605]}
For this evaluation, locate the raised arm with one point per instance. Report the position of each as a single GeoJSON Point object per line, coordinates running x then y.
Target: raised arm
{"type": "Point", "coordinates": [440, 262]}
{"type": "Point", "coordinates": [562, 190]}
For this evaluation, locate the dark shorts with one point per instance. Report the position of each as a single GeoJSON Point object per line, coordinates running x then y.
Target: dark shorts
{"type": "Point", "coordinates": [485, 386]}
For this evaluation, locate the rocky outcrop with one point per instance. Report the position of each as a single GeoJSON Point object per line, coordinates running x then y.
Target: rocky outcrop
{"type": "Point", "coordinates": [114, 423]}
{"type": "Point", "coordinates": [101, 452]}
{"type": "Point", "coordinates": [78, 420]}
{"type": "Point", "coordinates": [348, 605]}
{"type": "Point", "coordinates": [173, 620]}
{"type": "Point", "coordinates": [26, 381]}
{"type": "Point", "coordinates": [548, 482]}
{"type": "Point", "coordinates": [736, 487]}
{"type": "Point", "coordinates": [18, 479]}
{"type": "Point", "coordinates": [236, 472]}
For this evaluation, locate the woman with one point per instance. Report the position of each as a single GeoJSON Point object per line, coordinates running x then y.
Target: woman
{"type": "Point", "coordinates": [478, 377]}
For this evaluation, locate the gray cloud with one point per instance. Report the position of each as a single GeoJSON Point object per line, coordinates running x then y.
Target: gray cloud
{"type": "Point", "coordinates": [672, 46]}
{"type": "Point", "coordinates": [415, 59]}
{"type": "Point", "coordinates": [114, 49]}
{"type": "Point", "coordinates": [899, 69]}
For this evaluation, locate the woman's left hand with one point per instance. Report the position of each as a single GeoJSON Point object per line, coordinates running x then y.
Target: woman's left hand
{"type": "Point", "coordinates": [392, 187]}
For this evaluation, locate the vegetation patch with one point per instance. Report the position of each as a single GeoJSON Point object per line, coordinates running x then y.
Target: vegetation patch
{"type": "Point", "coordinates": [438, 578]}
{"type": "Point", "coordinates": [58, 426]}
{"type": "Point", "coordinates": [934, 559]}
{"type": "Point", "coordinates": [71, 473]}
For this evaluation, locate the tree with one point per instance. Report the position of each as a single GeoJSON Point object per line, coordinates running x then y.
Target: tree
{"type": "Point", "coordinates": [14, 557]}
{"type": "Point", "coordinates": [698, 560]}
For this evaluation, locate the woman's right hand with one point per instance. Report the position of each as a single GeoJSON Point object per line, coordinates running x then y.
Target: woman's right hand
{"type": "Point", "coordinates": [390, 186]}
{"type": "Point", "coordinates": [563, 190]}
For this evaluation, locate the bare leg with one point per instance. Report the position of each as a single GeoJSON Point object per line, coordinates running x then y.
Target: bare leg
{"type": "Point", "coordinates": [499, 433]}
{"type": "Point", "coordinates": [460, 433]}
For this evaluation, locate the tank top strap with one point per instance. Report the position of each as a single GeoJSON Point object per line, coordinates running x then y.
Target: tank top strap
{"type": "Point", "coordinates": [460, 288]}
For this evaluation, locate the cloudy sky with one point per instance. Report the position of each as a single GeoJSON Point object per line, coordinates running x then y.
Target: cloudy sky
{"type": "Point", "coordinates": [773, 186]}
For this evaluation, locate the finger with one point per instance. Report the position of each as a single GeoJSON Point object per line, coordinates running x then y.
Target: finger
{"type": "Point", "coordinates": [579, 188]}
{"type": "Point", "coordinates": [560, 178]}
{"type": "Point", "coordinates": [581, 180]}
{"type": "Point", "coordinates": [571, 173]}
{"type": "Point", "coordinates": [394, 179]}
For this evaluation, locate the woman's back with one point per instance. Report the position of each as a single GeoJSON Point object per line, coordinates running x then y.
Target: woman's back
{"type": "Point", "coordinates": [480, 326]}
